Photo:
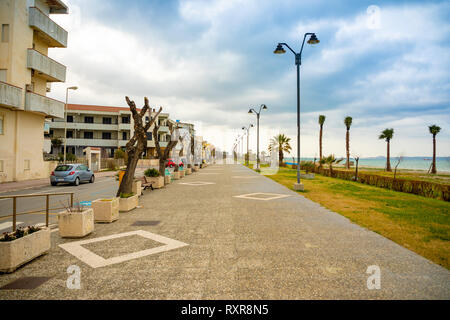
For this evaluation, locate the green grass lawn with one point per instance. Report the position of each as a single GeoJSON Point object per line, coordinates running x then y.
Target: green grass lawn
{"type": "Point", "coordinates": [417, 223]}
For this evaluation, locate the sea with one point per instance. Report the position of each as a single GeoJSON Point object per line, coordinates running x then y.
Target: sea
{"type": "Point", "coordinates": [411, 163]}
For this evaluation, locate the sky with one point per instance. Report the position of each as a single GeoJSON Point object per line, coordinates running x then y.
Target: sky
{"type": "Point", "coordinates": [386, 64]}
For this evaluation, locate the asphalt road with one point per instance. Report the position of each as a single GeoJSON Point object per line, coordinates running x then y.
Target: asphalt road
{"type": "Point", "coordinates": [102, 187]}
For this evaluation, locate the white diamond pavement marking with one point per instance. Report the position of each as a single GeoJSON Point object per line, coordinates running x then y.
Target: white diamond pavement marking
{"type": "Point", "coordinates": [196, 183]}
{"type": "Point", "coordinates": [96, 261]}
{"type": "Point", "coordinates": [253, 196]}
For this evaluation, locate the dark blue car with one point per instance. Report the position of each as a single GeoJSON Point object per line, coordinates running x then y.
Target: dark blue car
{"type": "Point", "coordinates": [71, 173]}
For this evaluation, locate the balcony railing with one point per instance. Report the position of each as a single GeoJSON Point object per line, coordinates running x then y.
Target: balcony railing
{"type": "Point", "coordinates": [124, 126]}
{"type": "Point", "coordinates": [41, 104]}
{"type": "Point", "coordinates": [84, 126]}
{"type": "Point", "coordinates": [10, 96]}
{"type": "Point", "coordinates": [92, 142]}
{"type": "Point", "coordinates": [47, 28]}
{"type": "Point", "coordinates": [45, 67]}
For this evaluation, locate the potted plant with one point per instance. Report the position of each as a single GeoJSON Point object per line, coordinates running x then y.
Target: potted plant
{"type": "Point", "coordinates": [137, 187]}
{"type": "Point", "coordinates": [167, 179]}
{"type": "Point", "coordinates": [176, 173]}
{"type": "Point", "coordinates": [106, 210]}
{"type": "Point", "coordinates": [154, 178]}
{"type": "Point", "coordinates": [181, 170]}
{"type": "Point", "coordinates": [308, 166]}
{"type": "Point", "coordinates": [22, 246]}
{"type": "Point", "coordinates": [76, 222]}
{"type": "Point", "coordinates": [196, 168]}
{"type": "Point", "coordinates": [188, 169]}
{"type": "Point", "coordinates": [128, 201]}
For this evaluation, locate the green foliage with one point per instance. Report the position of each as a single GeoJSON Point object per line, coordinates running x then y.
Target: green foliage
{"type": "Point", "coordinates": [111, 164]}
{"type": "Point", "coordinates": [151, 172]}
{"type": "Point", "coordinates": [121, 154]}
{"type": "Point", "coordinates": [126, 195]}
{"type": "Point", "coordinates": [308, 166]}
{"type": "Point", "coordinates": [387, 134]}
{"type": "Point", "coordinates": [19, 233]}
{"type": "Point", "coordinates": [280, 141]}
{"type": "Point", "coordinates": [348, 122]}
{"type": "Point", "coordinates": [434, 129]}
{"type": "Point", "coordinates": [322, 119]}
{"type": "Point", "coordinates": [56, 142]}
{"type": "Point", "coordinates": [69, 157]}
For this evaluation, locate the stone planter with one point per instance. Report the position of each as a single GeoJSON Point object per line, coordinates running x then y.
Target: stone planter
{"type": "Point", "coordinates": [15, 253]}
{"type": "Point", "coordinates": [137, 187]}
{"type": "Point", "coordinates": [196, 168]}
{"type": "Point", "coordinates": [307, 176]}
{"type": "Point", "coordinates": [188, 171]}
{"type": "Point", "coordinates": [157, 182]}
{"type": "Point", "coordinates": [176, 175]}
{"type": "Point", "coordinates": [167, 179]}
{"type": "Point", "coordinates": [182, 173]}
{"type": "Point", "coordinates": [76, 224]}
{"type": "Point", "coordinates": [106, 210]}
{"type": "Point", "coordinates": [127, 204]}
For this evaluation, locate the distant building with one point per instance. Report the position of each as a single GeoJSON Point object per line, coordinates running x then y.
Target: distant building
{"type": "Point", "coordinates": [26, 72]}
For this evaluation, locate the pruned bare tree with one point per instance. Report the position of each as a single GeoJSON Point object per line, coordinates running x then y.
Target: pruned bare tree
{"type": "Point", "coordinates": [137, 144]}
{"type": "Point", "coordinates": [163, 155]}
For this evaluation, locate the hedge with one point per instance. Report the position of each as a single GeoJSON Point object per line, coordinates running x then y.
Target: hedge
{"type": "Point", "coordinates": [421, 188]}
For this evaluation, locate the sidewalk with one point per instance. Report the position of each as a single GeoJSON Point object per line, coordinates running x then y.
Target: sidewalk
{"type": "Point", "coordinates": [226, 232]}
{"type": "Point", "coordinates": [35, 183]}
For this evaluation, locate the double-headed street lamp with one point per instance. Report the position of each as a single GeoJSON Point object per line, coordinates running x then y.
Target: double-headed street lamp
{"type": "Point", "coordinates": [65, 120]}
{"type": "Point", "coordinates": [298, 61]}
{"type": "Point", "coordinates": [262, 107]}
{"type": "Point", "coordinates": [248, 135]}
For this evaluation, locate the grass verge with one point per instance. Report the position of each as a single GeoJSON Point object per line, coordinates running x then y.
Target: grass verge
{"type": "Point", "coordinates": [417, 223]}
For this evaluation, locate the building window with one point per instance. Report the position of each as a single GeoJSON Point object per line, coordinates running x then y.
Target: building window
{"type": "Point", "coordinates": [26, 165]}
{"type": "Point", "coordinates": [69, 135]}
{"type": "Point", "coordinates": [149, 135]}
{"type": "Point", "coordinates": [124, 136]}
{"type": "Point", "coordinates": [147, 119]}
{"type": "Point", "coordinates": [69, 118]}
{"type": "Point", "coordinates": [88, 119]}
{"type": "Point", "coordinates": [5, 32]}
{"type": "Point", "coordinates": [126, 119]}
{"type": "Point", "coordinates": [88, 135]}
{"type": "Point", "coordinates": [2, 121]}
{"type": "Point", "coordinates": [107, 121]}
{"type": "Point", "coordinates": [106, 135]}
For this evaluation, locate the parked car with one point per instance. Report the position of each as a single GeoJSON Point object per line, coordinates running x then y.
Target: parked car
{"type": "Point", "coordinates": [170, 163]}
{"type": "Point", "coordinates": [71, 173]}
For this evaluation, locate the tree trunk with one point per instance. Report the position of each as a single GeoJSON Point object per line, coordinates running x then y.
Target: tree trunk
{"type": "Point", "coordinates": [356, 172]}
{"type": "Point", "coordinates": [162, 167]}
{"type": "Point", "coordinates": [433, 168]}
{"type": "Point", "coordinates": [347, 147]}
{"type": "Point", "coordinates": [388, 160]}
{"type": "Point", "coordinates": [320, 143]}
{"type": "Point", "coordinates": [280, 156]}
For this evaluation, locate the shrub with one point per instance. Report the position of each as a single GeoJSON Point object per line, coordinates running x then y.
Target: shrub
{"type": "Point", "coordinates": [126, 195]}
{"type": "Point", "coordinates": [151, 172]}
{"type": "Point", "coordinates": [111, 164]}
{"type": "Point", "coordinates": [121, 154]}
{"type": "Point", "coordinates": [308, 166]}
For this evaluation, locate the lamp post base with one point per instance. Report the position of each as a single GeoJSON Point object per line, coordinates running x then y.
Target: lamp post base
{"type": "Point", "coordinates": [299, 187]}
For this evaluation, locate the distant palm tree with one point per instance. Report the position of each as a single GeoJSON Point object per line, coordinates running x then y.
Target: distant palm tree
{"type": "Point", "coordinates": [348, 123]}
{"type": "Point", "coordinates": [321, 122]}
{"type": "Point", "coordinates": [282, 143]}
{"type": "Point", "coordinates": [434, 130]}
{"type": "Point", "coordinates": [330, 160]}
{"type": "Point", "coordinates": [387, 134]}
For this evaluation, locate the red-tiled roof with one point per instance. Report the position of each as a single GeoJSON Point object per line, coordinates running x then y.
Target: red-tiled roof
{"type": "Point", "coordinates": [97, 108]}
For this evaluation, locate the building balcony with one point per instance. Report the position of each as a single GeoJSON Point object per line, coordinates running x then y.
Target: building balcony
{"type": "Point", "coordinates": [10, 96]}
{"type": "Point", "coordinates": [41, 104]}
{"type": "Point", "coordinates": [92, 142]}
{"type": "Point", "coordinates": [47, 29]}
{"type": "Point", "coordinates": [84, 126]}
{"type": "Point", "coordinates": [45, 67]}
{"type": "Point", "coordinates": [164, 129]}
{"type": "Point", "coordinates": [124, 126]}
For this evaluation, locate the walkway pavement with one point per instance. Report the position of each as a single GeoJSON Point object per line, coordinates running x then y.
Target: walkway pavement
{"type": "Point", "coordinates": [233, 240]}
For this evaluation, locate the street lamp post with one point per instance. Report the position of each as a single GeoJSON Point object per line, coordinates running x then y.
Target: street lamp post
{"type": "Point", "coordinates": [262, 107]}
{"type": "Point", "coordinates": [247, 158]}
{"type": "Point", "coordinates": [298, 61]}
{"type": "Point", "coordinates": [65, 120]}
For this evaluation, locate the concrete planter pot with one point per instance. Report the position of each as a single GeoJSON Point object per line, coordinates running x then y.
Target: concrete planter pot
{"type": "Point", "coordinates": [157, 182]}
{"type": "Point", "coordinates": [176, 175]}
{"type": "Point", "coordinates": [307, 176]}
{"type": "Point", "coordinates": [127, 204]}
{"type": "Point", "coordinates": [15, 253]}
{"type": "Point", "coordinates": [106, 210]}
{"type": "Point", "coordinates": [137, 187]}
{"type": "Point", "coordinates": [196, 168]}
{"type": "Point", "coordinates": [76, 224]}
{"type": "Point", "coordinates": [188, 171]}
{"type": "Point", "coordinates": [182, 173]}
{"type": "Point", "coordinates": [167, 179]}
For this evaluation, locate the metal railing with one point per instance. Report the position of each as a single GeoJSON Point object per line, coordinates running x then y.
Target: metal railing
{"type": "Point", "coordinates": [47, 205]}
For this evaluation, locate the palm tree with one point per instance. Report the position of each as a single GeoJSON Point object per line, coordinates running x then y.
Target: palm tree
{"type": "Point", "coordinates": [387, 135]}
{"type": "Point", "coordinates": [282, 143]}
{"type": "Point", "coordinates": [330, 160]}
{"type": "Point", "coordinates": [321, 122]}
{"type": "Point", "coordinates": [434, 130]}
{"type": "Point", "coordinates": [348, 123]}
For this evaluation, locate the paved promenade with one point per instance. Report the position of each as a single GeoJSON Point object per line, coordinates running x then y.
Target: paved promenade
{"type": "Point", "coordinates": [227, 232]}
